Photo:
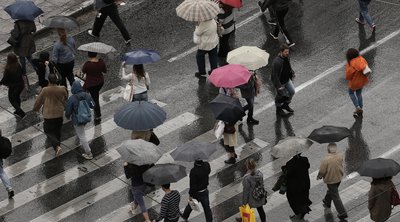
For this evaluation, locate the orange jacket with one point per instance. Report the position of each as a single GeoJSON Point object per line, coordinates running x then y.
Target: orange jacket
{"type": "Point", "coordinates": [354, 73]}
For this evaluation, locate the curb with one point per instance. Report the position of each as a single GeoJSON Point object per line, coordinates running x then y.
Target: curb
{"type": "Point", "coordinates": [74, 11]}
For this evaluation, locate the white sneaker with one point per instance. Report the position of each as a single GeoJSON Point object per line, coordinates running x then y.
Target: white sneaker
{"type": "Point", "coordinates": [90, 32]}
{"type": "Point", "coordinates": [87, 156]}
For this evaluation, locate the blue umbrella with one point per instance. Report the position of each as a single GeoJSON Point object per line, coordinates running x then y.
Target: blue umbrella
{"type": "Point", "coordinates": [140, 56]}
{"type": "Point", "coordinates": [140, 116]}
{"type": "Point", "coordinates": [23, 10]}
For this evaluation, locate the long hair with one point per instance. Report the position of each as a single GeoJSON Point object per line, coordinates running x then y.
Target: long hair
{"type": "Point", "coordinates": [138, 70]}
{"type": "Point", "coordinates": [351, 54]}
{"type": "Point", "coordinates": [62, 34]}
{"type": "Point", "coordinates": [12, 63]}
{"type": "Point", "coordinates": [251, 165]}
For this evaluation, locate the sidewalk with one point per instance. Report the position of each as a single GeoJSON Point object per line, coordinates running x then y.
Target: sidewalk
{"type": "Point", "coordinates": [50, 8]}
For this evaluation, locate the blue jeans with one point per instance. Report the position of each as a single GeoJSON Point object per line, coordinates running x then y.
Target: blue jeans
{"type": "Point", "coordinates": [4, 178]}
{"type": "Point", "coordinates": [356, 97]}
{"type": "Point", "coordinates": [138, 193]}
{"type": "Point", "coordinates": [140, 97]}
{"type": "Point", "coordinates": [201, 59]}
{"type": "Point", "coordinates": [364, 15]}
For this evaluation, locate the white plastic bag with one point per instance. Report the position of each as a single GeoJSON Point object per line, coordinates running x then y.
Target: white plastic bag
{"type": "Point", "coordinates": [219, 129]}
{"type": "Point", "coordinates": [367, 71]}
{"type": "Point", "coordinates": [128, 93]}
{"type": "Point", "coordinates": [194, 204]}
{"type": "Point", "coordinates": [196, 38]}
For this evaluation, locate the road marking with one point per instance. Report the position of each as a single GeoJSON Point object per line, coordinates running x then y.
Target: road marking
{"type": "Point", "coordinates": [193, 49]}
{"type": "Point", "coordinates": [390, 3]}
{"type": "Point", "coordinates": [64, 178]}
{"type": "Point", "coordinates": [155, 198]}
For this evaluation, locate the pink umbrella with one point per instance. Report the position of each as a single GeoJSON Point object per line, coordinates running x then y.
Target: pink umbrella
{"type": "Point", "coordinates": [230, 76]}
{"type": "Point", "coordinates": [233, 3]}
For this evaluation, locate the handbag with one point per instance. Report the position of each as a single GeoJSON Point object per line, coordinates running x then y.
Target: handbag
{"type": "Point", "coordinates": [394, 197]}
{"type": "Point", "coordinates": [367, 71]}
{"type": "Point", "coordinates": [154, 139]}
{"type": "Point", "coordinates": [128, 91]}
{"type": "Point", "coordinates": [194, 204]}
{"type": "Point", "coordinates": [219, 129]}
{"type": "Point", "coordinates": [229, 128]}
{"type": "Point", "coordinates": [196, 38]}
{"type": "Point", "coordinates": [247, 213]}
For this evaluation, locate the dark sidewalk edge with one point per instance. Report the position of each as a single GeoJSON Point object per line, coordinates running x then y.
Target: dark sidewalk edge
{"type": "Point", "coordinates": [84, 7]}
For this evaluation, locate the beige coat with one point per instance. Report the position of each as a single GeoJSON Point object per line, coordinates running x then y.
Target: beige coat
{"type": "Point", "coordinates": [231, 139]}
{"type": "Point", "coordinates": [207, 33]}
{"type": "Point", "coordinates": [53, 99]}
{"type": "Point", "coordinates": [379, 200]}
{"type": "Point", "coordinates": [331, 168]}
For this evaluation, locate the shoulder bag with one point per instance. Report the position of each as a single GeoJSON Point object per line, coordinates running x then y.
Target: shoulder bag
{"type": "Point", "coordinates": [128, 91]}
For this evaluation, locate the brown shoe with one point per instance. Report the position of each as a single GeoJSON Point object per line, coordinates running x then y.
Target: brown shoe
{"type": "Point", "coordinates": [58, 150]}
{"type": "Point", "coordinates": [359, 111]}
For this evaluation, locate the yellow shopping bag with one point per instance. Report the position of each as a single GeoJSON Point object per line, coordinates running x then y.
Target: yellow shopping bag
{"type": "Point", "coordinates": [247, 213]}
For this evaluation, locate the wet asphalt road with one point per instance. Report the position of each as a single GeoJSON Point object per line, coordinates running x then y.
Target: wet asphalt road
{"type": "Point", "coordinates": [322, 31]}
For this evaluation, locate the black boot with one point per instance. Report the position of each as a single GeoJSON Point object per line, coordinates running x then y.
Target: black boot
{"type": "Point", "coordinates": [231, 160]}
{"type": "Point", "coordinates": [287, 108]}
{"type": "Point", "coordinates": [252, 121]}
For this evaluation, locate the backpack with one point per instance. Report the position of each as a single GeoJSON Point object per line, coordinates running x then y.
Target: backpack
{"type": "Point", "coordinates": [83, 115]}
{"type": "Point", "coordinates": [5, 147]}
{"type": "Point", "coordinates": [259, 192]}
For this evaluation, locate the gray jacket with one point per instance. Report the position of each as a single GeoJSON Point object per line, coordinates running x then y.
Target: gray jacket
{"type": "Point", "coordinates": [24, 32]}
{"type": "Point", "coordinates": [249, 183]}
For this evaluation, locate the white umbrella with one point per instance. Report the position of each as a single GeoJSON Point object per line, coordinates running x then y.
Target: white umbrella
{"type": "Point", "coordinates": [97, 47]}
{"type": "Point", "coordinates": [290, 146]}
{"type": "Point", "coordinates": [198, 10]}
{"type": "Point", "coordinates": [250, 56]}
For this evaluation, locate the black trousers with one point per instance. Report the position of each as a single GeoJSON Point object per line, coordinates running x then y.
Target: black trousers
{"type": "Point", "coordinates": [203, 198]}
{"type": "Point", "coordinates": [94, 92]}
{"type": "Point", "coordinates": [224, 47]}
{"type": "Point", "coordinates": [52, 128]}
{"type": "Point", "coordinates": [261, 213]}
{"type": "Point", "coordinates": [112, 12]}
{"type": "Point", "coordinates": [14, 93]}
{"type": "Point", "coordinates": [250, 107]}
{"type": "Point", "coordinates": [280, 16]}
{"type": "Point", "coordinates": [66, 71]}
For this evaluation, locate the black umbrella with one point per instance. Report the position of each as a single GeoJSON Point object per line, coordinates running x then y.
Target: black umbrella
{"type": "Point", "coordinates": [227, 108]}
{"type": "Point", "coordinates": [164, 173]}
{"type": "Point", "coordinates": [140, 116]}
{"type": "Point", "coordinates": [192, 151]}
{"type": "Point", "coordinates": [379, 168]}
{"type": "Point", "coordinates": [63, 22]}
{"type": "Point", "coordinates": [23, 10]}
{"type": "Point", "coordinates": [329, 134]}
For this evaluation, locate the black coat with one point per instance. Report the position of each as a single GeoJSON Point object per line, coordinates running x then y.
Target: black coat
{"type": "Point", "coordinates": [23, 32]}
{"type": "Point", "coordinates": [135, 173]}
{"type": "Point", "coordinates": [199, 177]}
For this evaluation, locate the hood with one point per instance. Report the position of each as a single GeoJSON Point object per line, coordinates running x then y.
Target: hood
{"type": "Point", "coordinates": [76, 87]}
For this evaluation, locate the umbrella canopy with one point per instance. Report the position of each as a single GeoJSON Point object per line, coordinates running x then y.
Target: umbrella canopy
{"type": "Point", "coordinates": [379, 168]}
{"type": "Point", "coordinates": [233, 3]}
{"type": "Point", "coordinates": [139, 152]}
{"type": "Point", "coordinates": [23, 10]}
{"type": "Point", "coordinates": [164, 173]}
{"type": "Point", "coordinates": [97, 47]}
{"type": "Point", "coordinates": [192, 151]}
{"type": "Point", "coordinates": [141, 56]}
{"type": "Point", "coordinates": [230, 76]}
{"type": "Point", "coordinates": [329, 134]}
{"type": "Point", "coordinates": [140, 116]}
{"type": "Point", "coordinates": [290, 146]}
{"type": "Point", "coordinates": [250, 56]}
{"type": "Point", "coordinates": [198, 10]}
{"type": "Point", "coordinates": [226, 108]}
{"type": "Point", "coordinates": [63, 22]}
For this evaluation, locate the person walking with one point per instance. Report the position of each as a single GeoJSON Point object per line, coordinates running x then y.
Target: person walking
{"type": "Point", "coordinates": [12, 78]}
{"type": "Point", "coordinates": [282, 76]}
{"type": "Point", "coordinates": [364, 15]}
{"type": "Point", "coordinates": [71, 112]}
{"type": "Point", "coordinates": [379, 198]}
{"type": "Point", "coordinates": [331, 170]}
{"type": "Point", "coordinates": [44, 68]}
{"type": "Point", "coordinates": [199, 176]}
{"type": "Point", "coordinates": [272, 15]}
{"type": "Point", "coordinates": [356, 64]}
{"type": "Point", "coordinates": [24, 43]}
{"type": "Point", "coordinates": [248, 92]}
{"type": "Point", "coordinates": [5, 145]}
{"type": "Point", "coordinates": [169, 205]}
{"type": "Point", "coordinates": [108, 8]}
{"type": "Point", "coordinates": [135, 173]}
{"type": "Point", "coordinates": [280, 8]}
{"type": "Point", "coordinates": [64, 57]}
{"type": "Point", "coordinates": [140, 81]}
{"type": "Point", "coordinates": [94, 80]}
{"type": "Point", "coordinates": [52, 98]}
{"type": "Point", "coordinates": [298, 186]}
{"type": "Point", "coordinates": [251, 181]}
{"type": "Point", "coordinates": [206, 38]}
{"type": "Point", "coordinates": [227, 19]}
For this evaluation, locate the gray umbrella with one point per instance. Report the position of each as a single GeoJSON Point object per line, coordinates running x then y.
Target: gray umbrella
{"type": "Point", "coordinates": [290, 146]}
{"type": "Point", "coordinates": [97, 47]}
{"type": "Point", "coordinates": [139, 152]}
{"type": "Point", "coordinates": [164, 173]}
{"type": "Point", "coordinates": [379, 168]}
{"type": "Point", "coordinates": [140, 116]}
{"type": "Point", "coordinates": [194, 150]}
{"type": "Point", "coordinates": [62, 22]}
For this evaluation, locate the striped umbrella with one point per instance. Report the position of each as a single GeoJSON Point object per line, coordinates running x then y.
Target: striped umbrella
{"type": "Point", "coordinates": [197, 10]}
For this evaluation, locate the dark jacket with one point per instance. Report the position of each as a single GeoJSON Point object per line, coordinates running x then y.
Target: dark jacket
{"type": "Point", "coordinates": [14, 78]}
{"type": "Point", "coordinates": [379, 200]}
{"type": "Point", "coordinates": [278, 5]}
{"type": "Point", "coordinates": [199, 176]}
{"type": "Point", "coordinates": [135, 173]}
{"type": "Point", "coordinates": [298, 179]}
{"type": "Point", "coordinates": [23, 32]}
{"type": "Point", "coordinates": [41, 70]}
{"type": "Point", "coordinates": [71, 107]}
{"type": "Point", "coordinates": [281, 71]}
{"type": "Point", "coordinates": [248, 90]}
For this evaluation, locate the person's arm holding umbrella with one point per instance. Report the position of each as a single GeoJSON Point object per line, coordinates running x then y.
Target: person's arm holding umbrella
{"type": "Point", "coordinates": [124, 75]}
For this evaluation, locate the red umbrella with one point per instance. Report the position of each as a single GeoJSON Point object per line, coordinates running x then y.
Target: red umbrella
{"type": "Point", "coordinates": [230, 76]}
{"type": "Point", "coordinates": [233, 3]}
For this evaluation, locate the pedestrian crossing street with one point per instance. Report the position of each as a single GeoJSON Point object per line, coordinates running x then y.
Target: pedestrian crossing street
{"type": "Point", "coordinates": [81, 204]}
